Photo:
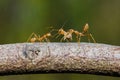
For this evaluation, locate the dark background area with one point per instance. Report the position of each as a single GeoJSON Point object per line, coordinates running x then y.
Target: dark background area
{"type": "Point", "coordinates": [19, 18]}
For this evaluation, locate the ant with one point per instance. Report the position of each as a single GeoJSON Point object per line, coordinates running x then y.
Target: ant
{"type": "Point", "coordinates": [85, 32]}
{"type": "Point", "coordinates": [34, 37]}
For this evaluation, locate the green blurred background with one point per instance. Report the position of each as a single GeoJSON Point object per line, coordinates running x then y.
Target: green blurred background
{"type": "Point", "coordinates": [19, 18]}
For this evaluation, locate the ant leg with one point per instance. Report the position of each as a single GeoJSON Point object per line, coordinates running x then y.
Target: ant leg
{"type": "Point", "coordinates": [67, 40]}
{"type": "Point", "coordinates": [61, 39]}
{"type": "Point", "coordinates": [57, 35]}
{"type": "Point", "coordinates": [30, 37]}
{"type": "Point", "coordinates": [79, 39]}
{"type": "Point", "coordinates": [43, 40]}
{"type": "Point", "coordinates": [38, 36]}
{"type": "Point", "coordinates": [47, 40]}
{"type": "Point", "coordinates": [71, 39]}
{"type": "Point", "coordinates": [33, 34]}
{"type": "Point", "coordinates": [92, 38]}
{"type": "Point", "coordinates": [53, 30]}
{"type": "Point", "coordinates": [88, 35]}
{"type": "Point", "coordinates": [39, 40]}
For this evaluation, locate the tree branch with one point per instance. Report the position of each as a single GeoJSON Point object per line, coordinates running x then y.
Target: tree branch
{"type": "Point", "coordinates": [22, 58]}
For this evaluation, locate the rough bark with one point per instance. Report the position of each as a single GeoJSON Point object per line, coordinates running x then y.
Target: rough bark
{"type": "Point", "coordinates": [22, 58]}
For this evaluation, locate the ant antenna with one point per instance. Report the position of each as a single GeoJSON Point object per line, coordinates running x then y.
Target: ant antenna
{"type": "Point", "coordinates": [33, 34]}
{"type": "Point", "coordinates": [64, 23]}
{"type": "Point", "coordinates": [58, 29]}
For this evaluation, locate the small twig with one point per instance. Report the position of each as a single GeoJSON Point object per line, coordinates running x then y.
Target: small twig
{"type": "Point", "coordinates": [22, 58]}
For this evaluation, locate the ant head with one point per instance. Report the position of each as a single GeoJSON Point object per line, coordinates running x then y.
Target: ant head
{"type": "Point", "coordinates": [71, 30]}
{"type": "Point", "coordinates": [48, 34]}
{"type": "Point", "coordinates": [33, 39]}
{"type": "Point", "coordinates": [61, 31]}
